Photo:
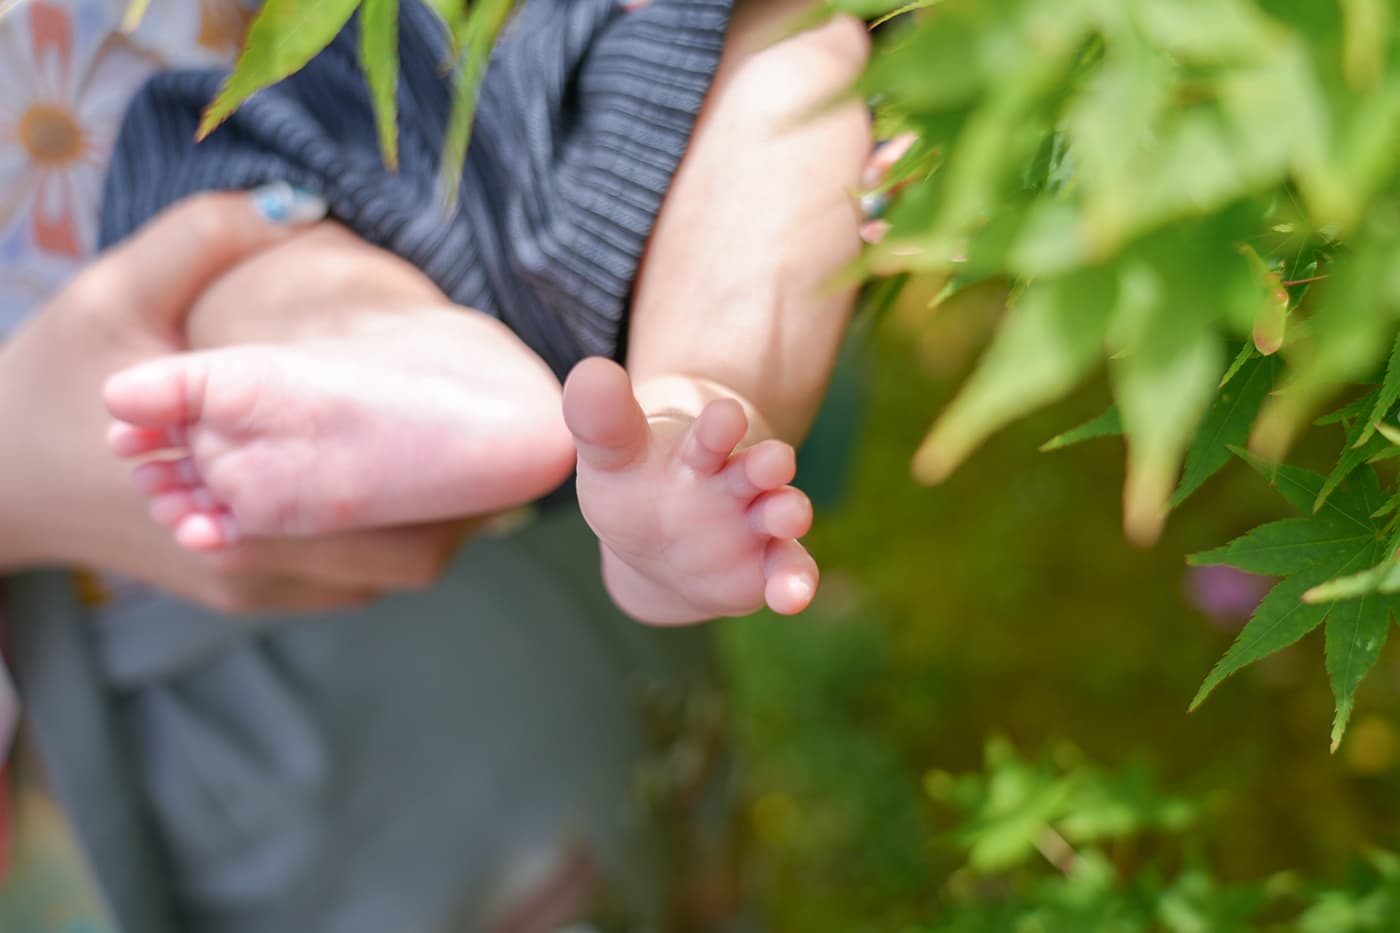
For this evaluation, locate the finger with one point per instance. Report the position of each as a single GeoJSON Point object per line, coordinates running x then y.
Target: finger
{"type": "Point", "coordinates": [885, 156]}
{"type": "Point", "coordinates": [409, 558]}
{"type": "Point", "coordinates": [791, 576]}
{"type": "Point", "coordinates": [782, 513]}
{"type": "Point", "coordinates": [714, 435]}
{"type": "Point", "coordinates": [769, 464]}
{"type": "Point", "coordinates": [609, 427]}
{"type": "Point", "coordinates": [873, 231]}
{"type": "Point", "coordinates": [128, 440]}
{"type": "Point", "coordinates": [266, 595]}
{"type": "Point", "coordinates": [164, 266]}
{"type": "Point", "coordinates": [161, 476]}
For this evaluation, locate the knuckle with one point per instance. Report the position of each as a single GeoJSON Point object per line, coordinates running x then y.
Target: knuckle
{"type": "Point", "coordinates": [92, 292]}
{"type": "Point", "coordinates": [207, 223]}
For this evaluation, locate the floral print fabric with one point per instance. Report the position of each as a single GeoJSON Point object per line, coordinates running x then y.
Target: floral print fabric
{"type": "Point", "coordinates": [68, 73]}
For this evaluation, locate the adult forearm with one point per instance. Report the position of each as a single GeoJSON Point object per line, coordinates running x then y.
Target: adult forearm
{"type": "Point", "coordinates": [16, 532]}
{"type": "Point", "coordinates": [765, 196]}
{"type": "Point", "coordinates": [34, 512]}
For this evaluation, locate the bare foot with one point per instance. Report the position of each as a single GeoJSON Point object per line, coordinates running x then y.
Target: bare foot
{"type": "Point", "coordinates": [437, 414]}
{"type": "Point", "coordinates": [690, 527]}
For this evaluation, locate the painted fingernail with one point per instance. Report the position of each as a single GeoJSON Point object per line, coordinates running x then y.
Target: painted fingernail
{"type": "Point", "coordinates": [873, 205]}
{"type": "Point", "coordinates": [288, 205]}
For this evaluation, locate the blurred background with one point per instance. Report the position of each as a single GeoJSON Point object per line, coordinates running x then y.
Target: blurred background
{"type": "Point", "coordinates": [1006, 604]}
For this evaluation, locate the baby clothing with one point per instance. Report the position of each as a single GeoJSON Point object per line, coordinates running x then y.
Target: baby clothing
{"type": "Point", "coordinates": [585, 111]}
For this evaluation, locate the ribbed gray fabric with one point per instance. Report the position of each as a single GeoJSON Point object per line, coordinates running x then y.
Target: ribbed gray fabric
{"type": "Point", "coordinates": [377, 771]}
{"type": "Point", "coordinates": [585, 112]}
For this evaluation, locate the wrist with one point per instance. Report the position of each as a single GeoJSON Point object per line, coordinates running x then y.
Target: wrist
{"type": "Point", "coordinates": [18, 545]}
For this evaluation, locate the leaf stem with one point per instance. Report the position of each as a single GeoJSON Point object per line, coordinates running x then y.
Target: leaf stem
{"type": "Point", "coordinates": [1056, 849]}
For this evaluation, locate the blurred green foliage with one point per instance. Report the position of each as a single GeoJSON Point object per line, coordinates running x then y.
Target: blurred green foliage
{"type": "Point", "coordinates": [1005, 602]}
{"type": "Point", "coordinates": [1201, 198]}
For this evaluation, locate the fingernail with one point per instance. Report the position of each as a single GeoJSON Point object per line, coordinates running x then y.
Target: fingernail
{"type": "Point", "coordinates": [288, 206]}
{"type": "Point", "coordinates": [873, 231]}
{"type": "Point", "coordinates": [873, 205]}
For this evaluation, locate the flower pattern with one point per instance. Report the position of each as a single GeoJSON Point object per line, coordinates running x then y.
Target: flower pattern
{"type": "Point", "coordinates": [68, 74]}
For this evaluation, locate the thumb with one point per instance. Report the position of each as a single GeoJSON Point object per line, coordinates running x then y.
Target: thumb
{"type": "Point", "coordinates": [163, 267]}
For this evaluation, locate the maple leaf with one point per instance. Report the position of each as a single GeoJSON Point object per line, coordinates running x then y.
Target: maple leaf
{"type": "Point", "coordinates": [1343, 536]}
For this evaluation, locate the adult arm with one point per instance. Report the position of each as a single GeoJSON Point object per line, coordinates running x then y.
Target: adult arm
{"type": "Point", "coordinates": [64, 500]}
{"type": "Point", "coordinates": [734, 295]}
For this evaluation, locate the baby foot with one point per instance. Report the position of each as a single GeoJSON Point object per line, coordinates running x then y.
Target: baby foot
{"type": "Point", "coordinates": [340, 433]}
{"type": "Point", "coordinates": [690, 527]}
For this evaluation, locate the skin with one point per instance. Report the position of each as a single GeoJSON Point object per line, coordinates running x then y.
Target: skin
{"type": "Point", "coordinates": [683, 470]}
{"type": "Point", "coordinates": [722, 381]}
{"type": "Point", "coordinates": [355, 395]}
{"type": "Point", "coordinates": [764, 194]}
{"type": "Point", "coordinates": [65, 501]}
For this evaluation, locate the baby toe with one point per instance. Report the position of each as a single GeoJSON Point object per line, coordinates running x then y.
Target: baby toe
{"type": "Point", "coordinates": [791, 576]}
{"type": "Point", "coordinates": [161, 476]}
{"type": "Point", "coordinates": [609, 428]}
{"type": "Point", "coordinates": [168, 509]}
{"type": "Point", "coordinates": [781, 513]}
{"type": "Point", "coordinates": [771, 464]}
{"type": "Point", "coordinates": [164, 393]}
{"type": "Point", "coordinates": [714, 435]}
{"type": "Point", "coordinates": [206, 531]}
{"type": "Point", "coordinates": [128, 440]}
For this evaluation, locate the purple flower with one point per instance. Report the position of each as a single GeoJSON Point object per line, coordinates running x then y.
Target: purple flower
{"type": "Point", "coordinates": [1226, 595]}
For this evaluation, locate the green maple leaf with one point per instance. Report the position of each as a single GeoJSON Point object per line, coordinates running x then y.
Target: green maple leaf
{"type": "Point", "coordinates": [1107, 424]}
{"type": "Point", "coordinates": [379, 58]}
{"type": "Point", "coordinates": [474, 36]}
{"type": "Point", "coordinates": [1343, 536]}
{"type": "Point", "coordinates": [1228, 422]}
{"type": "Point", "coordinates": [1387, 395]}
{"type": "Point", "coordinates": [285, 35]}
{"type": "Point", "coordinates": [1361, 446]}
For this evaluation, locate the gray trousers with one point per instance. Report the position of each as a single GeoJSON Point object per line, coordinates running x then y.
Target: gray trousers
{"type": "Point", "coordinates": [373, 771]}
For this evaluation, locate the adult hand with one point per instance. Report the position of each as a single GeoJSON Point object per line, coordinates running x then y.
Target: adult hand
{"type": "Point", "coordinates": [64, 500]}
